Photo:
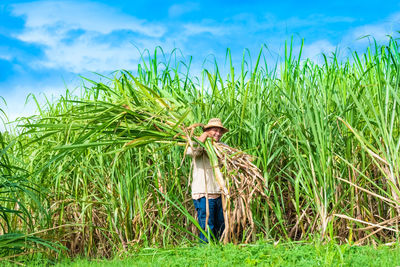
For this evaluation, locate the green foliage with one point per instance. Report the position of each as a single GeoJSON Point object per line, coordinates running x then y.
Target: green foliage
{"type": "Point", "coordinates": [110, 161]}
{"type": "Point", "coordinates": [260, 254]}
{"type": "Point", "coordinates": [18, 196]}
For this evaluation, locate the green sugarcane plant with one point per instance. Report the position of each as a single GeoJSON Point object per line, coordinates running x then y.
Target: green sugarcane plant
{"type": "Point", "coordinates": [324, 136]}
{"type": "Point", "coordinates": [158, 119]}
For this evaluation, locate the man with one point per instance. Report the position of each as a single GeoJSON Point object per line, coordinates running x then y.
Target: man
{"type": "Point", "coordinates": [204, 184]}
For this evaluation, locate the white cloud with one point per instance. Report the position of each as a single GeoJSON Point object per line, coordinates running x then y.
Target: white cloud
{"type": "Point", "coordinates": [243, 25]}
{"type": "Point", "coordinates": [18, 104]}
{"type": "Point", "coordinates": [248, 25]}
{"type": "Point", "coordinates": [5, 53]}
{"type": "Point", "coordinates": [88, 16]}
{"type": "Point", "coordinates": [315, 20]}
{"type": "Point", "coordinates": [199, 28]}
{"type": "Point", "coordinates": [5, 56]}
{"type": "Point", "coordinates": [180, 9]}
{"type": "Point", "coordinates": [49, 24]}
{"type": "Point", "coordinates": [380, 31]}
{"type": "Point", "coordinates": [315, 50]}
{"type": "Point", "coordinates": [85, 55]}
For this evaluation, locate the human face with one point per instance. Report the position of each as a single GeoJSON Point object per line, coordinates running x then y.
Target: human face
{"type": "Point", "coordinates": [215, 133]}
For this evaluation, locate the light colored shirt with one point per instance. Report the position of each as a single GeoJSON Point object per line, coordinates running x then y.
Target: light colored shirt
{"type": "Point", "coordinates": [203, 175]}
{"type": "Point", "coordinates": [210, 196]}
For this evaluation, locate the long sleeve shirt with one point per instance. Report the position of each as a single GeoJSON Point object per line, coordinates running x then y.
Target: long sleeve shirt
{"type": "Point", "coordinates": [203, 175]}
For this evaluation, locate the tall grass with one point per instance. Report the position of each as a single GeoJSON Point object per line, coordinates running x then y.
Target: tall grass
{"type": "Point", "coordinates": [21, 210]}
{"type": "Point", "coordinates": [325, 136]}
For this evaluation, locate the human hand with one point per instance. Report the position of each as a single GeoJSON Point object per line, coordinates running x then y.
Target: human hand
{"type": "Point", "coordinates": [204, 136]}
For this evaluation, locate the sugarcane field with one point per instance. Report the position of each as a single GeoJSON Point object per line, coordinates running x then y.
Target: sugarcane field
{"type": "Point", "coordinates": [313, 154]}
{"type": "Point", "coordinates": [167, 162]}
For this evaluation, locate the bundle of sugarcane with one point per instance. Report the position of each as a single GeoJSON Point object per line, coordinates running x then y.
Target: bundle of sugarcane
{"type": "Point", "coordinates": [240, 181]}
{"type": "Point", "coordinates": [245, 182]}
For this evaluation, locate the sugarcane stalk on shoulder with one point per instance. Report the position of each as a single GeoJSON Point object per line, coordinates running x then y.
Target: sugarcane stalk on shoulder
{"type": "Point", "coordinates": [215, 165]}
{"type": "Point", "coordinates": [221, 182]}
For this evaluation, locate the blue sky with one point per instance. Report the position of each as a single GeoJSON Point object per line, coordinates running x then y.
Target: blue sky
{"type": "Point", "coordinates": [46, 45]}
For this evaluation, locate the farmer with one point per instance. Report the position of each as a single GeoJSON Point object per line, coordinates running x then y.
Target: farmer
{"type": "Point", "coordinates": [204, 184]}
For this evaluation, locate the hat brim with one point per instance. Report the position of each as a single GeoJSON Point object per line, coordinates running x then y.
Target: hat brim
{"type": "Point", "coordinates": [215, 126]}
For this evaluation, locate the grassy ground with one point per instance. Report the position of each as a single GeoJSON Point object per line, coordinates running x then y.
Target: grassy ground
{"type": "Point", "coordinates": [262, 254]}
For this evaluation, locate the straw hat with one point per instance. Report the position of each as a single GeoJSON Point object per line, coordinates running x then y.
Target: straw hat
{"type": "Point", "coordinates": [215, 122]}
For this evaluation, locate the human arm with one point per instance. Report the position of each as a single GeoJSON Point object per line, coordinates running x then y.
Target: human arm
{"type": "Point", "coordinates": [196, 151]}
{"type": "Point", "coordinates": [202, 138]}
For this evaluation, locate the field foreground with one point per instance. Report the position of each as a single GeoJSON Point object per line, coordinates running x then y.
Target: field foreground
{"type": "Point", "coordinates": [264, 254]}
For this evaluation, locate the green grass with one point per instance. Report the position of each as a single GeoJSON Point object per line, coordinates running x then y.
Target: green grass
{"type": "Point", "coordinates": [259, 254]}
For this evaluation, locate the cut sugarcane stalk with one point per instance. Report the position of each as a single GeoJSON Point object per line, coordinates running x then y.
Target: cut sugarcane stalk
{"type": "Point", "coordinates": [214, 164]}
{"type": "Point", "coordinates": [221, 182]}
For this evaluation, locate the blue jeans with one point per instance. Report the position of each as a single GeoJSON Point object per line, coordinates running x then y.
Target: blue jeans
{"type": "Point", "coordinates": [216, 223]}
